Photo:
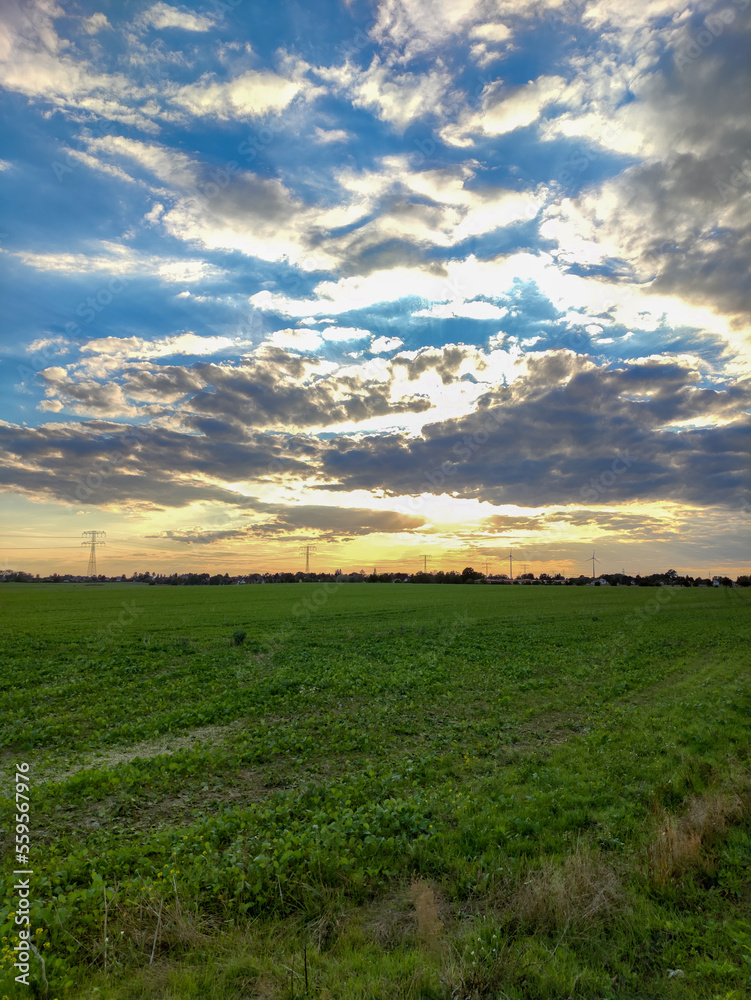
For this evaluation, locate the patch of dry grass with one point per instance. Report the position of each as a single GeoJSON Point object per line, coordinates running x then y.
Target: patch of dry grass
{"type": "Point", "coordinates": [575, 893]}
{"type": "Point", "coordinates": [679, 842]}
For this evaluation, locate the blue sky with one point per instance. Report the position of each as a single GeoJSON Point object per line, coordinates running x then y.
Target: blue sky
{"type": "Point", "coordinates": [385, 276]}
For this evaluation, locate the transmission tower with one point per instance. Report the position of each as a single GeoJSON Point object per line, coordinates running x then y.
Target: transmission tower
{"type": "Point", "coordinates": [92, 539]}
{"type": "Point", "coordinates": [487, 564]}
{"type": "Point", "coordinates": [305, 550]}
{"type": "Point", "coordinates": [425, 560]}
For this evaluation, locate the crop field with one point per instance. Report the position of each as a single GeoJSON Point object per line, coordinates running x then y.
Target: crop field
{"type": "Point", "coordinates": [369, 792]}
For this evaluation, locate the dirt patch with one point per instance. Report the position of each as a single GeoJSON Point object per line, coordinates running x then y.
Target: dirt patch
{"type": "Point", "coordinates": [145, 749]}
{"type": "Point", "coordinates": [429, 924]}
{"type": "Point", "coordinates": [411, 913]}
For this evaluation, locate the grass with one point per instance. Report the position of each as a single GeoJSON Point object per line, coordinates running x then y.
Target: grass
{"type": "Point", "coordinates": [423, 791]}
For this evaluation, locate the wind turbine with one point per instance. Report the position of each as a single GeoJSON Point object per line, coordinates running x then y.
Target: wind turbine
{"type": "Point", "coordinates": [593, 564]}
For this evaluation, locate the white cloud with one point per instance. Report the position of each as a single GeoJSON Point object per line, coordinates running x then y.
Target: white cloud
{"type": "Point", "coordinates": [161, 15]}
{"type": "Point", "coordinates": [36, 62]}
{"type": "Point", "coordinates": [331, 135]}
{"type": "Point", "coordinates": [50, 346]}
{"type": "Point", "coordinates": [412, 27]}
{"type": "Point", "coordinates": [140, 348]}
{"type": "Point", "coordinates": [250, 95]}
{"type": "Point", "coordinates": [505, 110]}
{"type": "Point", "coordinates": [400, 98]}
{"type": "Point", "coordinates": [633, 306]}
{"type": "Point", "coordinates": [95, 23]}
{"type": "Point", "coordinates": [298, 340]}
{"type": "Point", "coordinates": [491, 31]}
{"type": "Point", "coordinates": [487, 37]}
{"type": "Point", "coordinates": [465, 310]}
{"type": "Point", "coordinates": [117, 259]}
{"type": "Point", "coordinates": [344, 333]}
{"type": "Point", "coordinates": [382, 345]}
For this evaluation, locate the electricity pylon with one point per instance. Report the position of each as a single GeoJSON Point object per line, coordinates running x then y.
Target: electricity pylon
{"type": "Point", "coordinates": [425, 561]}
{"type": "Point", "coordinates": [305, 550]}
{"type": "Point", "coordinates": [94, 539]}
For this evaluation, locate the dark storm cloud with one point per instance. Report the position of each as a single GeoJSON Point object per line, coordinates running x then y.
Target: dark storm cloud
{"type": "Point", "coordinates": [273, 388]}
{"type": "Point", "coordinates": [255, 395]}
{"type": "Point", "coordinates": [566, 432]}
{"type": "Point", "coordinates": [103, 463]}
{"type": "Point", "coordinates": [160, 384]}
{"type": "Point", "coordinates": [326, 523]}
{"type": "Point", "coordinates": [569, 432]}
{"type": "Point", "coordinates": [445, 361]}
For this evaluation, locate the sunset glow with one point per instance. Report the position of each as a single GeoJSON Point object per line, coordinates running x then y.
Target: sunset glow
{"type": "Point", "coordinates": [393, 278]}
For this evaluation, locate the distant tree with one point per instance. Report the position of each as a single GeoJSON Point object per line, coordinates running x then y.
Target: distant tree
{"type": "Point", "coordinates": [469, 575]}
{"type": "Point", "coordinates": [744, 581]}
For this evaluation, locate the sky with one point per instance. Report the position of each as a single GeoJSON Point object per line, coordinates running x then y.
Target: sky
{"type": "Point", "coordinates": [392, 278]}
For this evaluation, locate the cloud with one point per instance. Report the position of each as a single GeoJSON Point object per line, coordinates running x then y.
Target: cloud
{"type": "Point", "coordinates": [554, 434]}
{"type": "Point", "coordinates": [49, 346]}
{"type": "Point", "coordinates": [680, 218]}
{"type": "Point", "coordinates": [491, 41]}
{"type": "Point", "coordinates": [84, 396]}
{"type": "Point", "coordinates": [116, 258]}
{"type": "Point", "coordinates": [383, 217]}
{"type": "Point", "coordinates": [566, 431]}
{"type": "Point", "coordinates": [413, 27]}
{"type": "Point", "coordinates": [479, 310]}
{"type": "Point", "coordinates": [36, 62]}
{"type": "Point", "coordinates": [331, 135]}
{"type": "Point", "coordinates": [299, 339]}
{"type": "Point", "coordinates": [281, 390]}
{"type": "Point", "coordinates": [252, 94]}
{"type": "Point", "coordinates": [382, 345]}
{"type": "Point", "coordinates": [140, 348]}
{"type": "Point", "coordinates": [505, 109]}
{"type": "Point", "coordinates": [304, 521]}
{"type": "Point", "coordinates": [94, 24]}
{"type": "Point", "coordinates": [344, 333]}
{"type": "Point", "coordinates": [161, 15]}
{"type": "Point", "coordinates": [400, 98]}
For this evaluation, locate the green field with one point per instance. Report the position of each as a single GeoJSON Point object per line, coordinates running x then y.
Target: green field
{"type": "Point", "coordinates": [383, 791]}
